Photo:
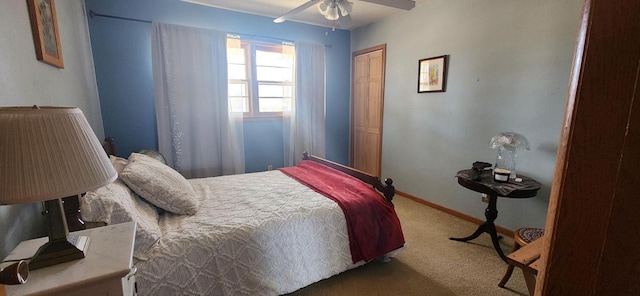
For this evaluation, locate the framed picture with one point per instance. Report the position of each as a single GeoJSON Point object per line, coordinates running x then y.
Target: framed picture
{"type": "Point", "coordinates": [44, 26]}
{"type": "Point", "coordinates": [432, 74]}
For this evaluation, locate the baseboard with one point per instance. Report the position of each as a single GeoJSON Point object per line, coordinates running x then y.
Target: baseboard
{"type": "Point", "coordinates": [501, 230]}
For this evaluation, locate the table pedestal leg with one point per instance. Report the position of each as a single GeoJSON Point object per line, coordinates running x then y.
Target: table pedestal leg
{"type": "Point", "coordinates": [491, 213]}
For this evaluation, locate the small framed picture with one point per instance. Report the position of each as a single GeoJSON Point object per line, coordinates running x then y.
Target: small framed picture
{"type": "Point", "coordinates": [432, 74]}
{"type": "Point", "coordinates": [44, 26]}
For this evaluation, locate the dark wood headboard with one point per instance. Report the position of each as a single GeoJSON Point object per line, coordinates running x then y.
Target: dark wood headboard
{"type": "Point", "coordinates": [109, 146]}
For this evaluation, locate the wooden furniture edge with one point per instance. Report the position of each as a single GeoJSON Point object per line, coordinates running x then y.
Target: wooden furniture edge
{"type": "Point", "coordinates": [527, 256]}
{"type": "Point", "coordinates": [502, 230]}
{"type": "Point", "coordinates": [387, 189]}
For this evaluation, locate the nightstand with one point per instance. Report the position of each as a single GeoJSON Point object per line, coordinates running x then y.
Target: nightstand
{"type": "Point", "coordinates": [105, 270]}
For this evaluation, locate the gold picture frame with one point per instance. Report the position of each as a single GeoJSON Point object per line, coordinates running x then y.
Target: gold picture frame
{"type": "Point", "coordinates": [44, 26]}
{"type": "Point", "coordinates": [432, 74]}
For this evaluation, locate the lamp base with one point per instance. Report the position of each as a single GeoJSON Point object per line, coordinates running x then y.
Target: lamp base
{"type": "Point", "coordinates": [59, 251]}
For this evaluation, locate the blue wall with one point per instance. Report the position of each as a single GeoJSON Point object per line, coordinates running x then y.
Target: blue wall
{"type": "Point", "coordinates": [122, 57]}
{"type": "Point", "coordinates": [509, 68]}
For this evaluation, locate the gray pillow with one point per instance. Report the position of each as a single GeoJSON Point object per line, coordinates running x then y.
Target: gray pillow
{"type": "Point", "coordinates": [160, 185]}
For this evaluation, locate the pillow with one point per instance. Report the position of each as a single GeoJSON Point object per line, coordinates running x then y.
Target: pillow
{"type": "Point", "coordinates": [116, 203]}
{"type": "Point", "coordinates": [160, 185]}
{"type": "Point", "coordinates": [154, 154]}
{"type": "Point", "coordinates": [118, 163]}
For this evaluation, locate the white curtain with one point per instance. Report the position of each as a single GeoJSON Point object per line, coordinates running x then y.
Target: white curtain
{"type": "Point", "coordinates": [304, 126]}
{"type": "Point", "coordinates": [197, 133]}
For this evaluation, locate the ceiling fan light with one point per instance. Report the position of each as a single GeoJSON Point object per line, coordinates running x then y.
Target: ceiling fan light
{"type": "Point", "coordinates": [332, 13]}
{"type": "Point", "coordinates": [345, 7]}
{"type": "Point", "coordinates": [323, 7]}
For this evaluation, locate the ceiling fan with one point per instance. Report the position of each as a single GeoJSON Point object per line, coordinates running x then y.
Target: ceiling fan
{"type": "Point", "coordinates": [340, 10]}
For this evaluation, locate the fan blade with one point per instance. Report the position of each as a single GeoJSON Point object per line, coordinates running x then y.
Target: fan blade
{"type": "Point", "coordinates": [295, 11]}
{"type": "Point", "coordinates": [400, 4]}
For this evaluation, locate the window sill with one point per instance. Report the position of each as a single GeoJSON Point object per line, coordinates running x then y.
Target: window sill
{"type": "Point", "coordinates": [263, 118]}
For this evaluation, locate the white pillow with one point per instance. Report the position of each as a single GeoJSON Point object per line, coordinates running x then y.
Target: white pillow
{"type": "Point", "coordinates": [116, 203]}
{"type": "Point", "coordinates": [160, 185]}
{"type": "Point", "coordinates": [118, 163]}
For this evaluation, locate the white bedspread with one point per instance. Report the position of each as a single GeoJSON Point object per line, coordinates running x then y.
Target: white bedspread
{"type": "Point", "coordinates": [254, 234]}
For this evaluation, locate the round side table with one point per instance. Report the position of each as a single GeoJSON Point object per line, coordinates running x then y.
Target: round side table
{"type": "Point", "coordinates": [484, 183]}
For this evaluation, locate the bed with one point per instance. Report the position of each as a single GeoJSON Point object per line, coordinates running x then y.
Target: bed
{"type": "Point", "coordinates": [267, 233]}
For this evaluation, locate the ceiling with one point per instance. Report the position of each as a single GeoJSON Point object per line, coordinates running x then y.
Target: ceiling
{"type": "Point", "coordinates": [363, 13]}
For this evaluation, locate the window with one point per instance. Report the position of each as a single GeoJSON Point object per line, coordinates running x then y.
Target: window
{"type": "Point", "coordinates": [260, 77]}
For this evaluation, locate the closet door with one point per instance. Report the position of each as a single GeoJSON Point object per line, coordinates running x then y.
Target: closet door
{"type": "Point", "coordinates": [367, 109]}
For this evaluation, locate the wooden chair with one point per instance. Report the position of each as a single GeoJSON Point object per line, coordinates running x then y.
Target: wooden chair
{"type": "Point", "coordinates": [522, 237]}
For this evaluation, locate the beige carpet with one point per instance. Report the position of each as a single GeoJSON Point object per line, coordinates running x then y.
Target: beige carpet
{"type": "Point", "coordinates": [430, 264]}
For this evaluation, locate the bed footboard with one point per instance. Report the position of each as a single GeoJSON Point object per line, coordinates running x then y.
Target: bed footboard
{"type": "Point", "coordinates": [386, 189]}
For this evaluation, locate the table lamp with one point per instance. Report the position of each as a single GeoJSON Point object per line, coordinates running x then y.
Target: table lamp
{"type": "Point", "coordinates": [508, 143]}
{"type": "Point", "coordinates": [47, 153]}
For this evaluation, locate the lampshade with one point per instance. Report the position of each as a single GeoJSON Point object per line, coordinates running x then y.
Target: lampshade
{"type": "Point", "coordinates": [509, 140]}
{"type": "Point", "coordinates": [48, 153]}
{"type": "Point", "coordinates": [332, 13]}
{"type": "Point", "coordinates": [323, 6]}
{"type": "Point", "coordinates": [507, 143]}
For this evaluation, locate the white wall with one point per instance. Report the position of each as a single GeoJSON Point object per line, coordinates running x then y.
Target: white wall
{"type": "Point", "coordinates": [26, 81]}
{"type": "Point", "coordinates": [509, 71]}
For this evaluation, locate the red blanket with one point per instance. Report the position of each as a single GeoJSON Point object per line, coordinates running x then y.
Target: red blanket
{"type": "Point", "coordinates": [372, 223]}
